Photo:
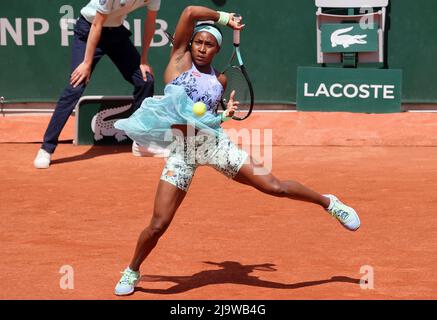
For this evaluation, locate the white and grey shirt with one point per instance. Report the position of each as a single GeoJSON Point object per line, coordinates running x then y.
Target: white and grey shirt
{"type": "Point", "coordinates": [117, 10]}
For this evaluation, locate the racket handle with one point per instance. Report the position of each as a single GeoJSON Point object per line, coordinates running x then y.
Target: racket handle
{"type": "Point", "coordinates": [237, 18]}
{"type": "Point", "coordinates": [236, 37]}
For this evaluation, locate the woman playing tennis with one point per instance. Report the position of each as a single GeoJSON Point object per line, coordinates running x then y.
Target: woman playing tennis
{"type": "Point", "coordinates": [191, 78]}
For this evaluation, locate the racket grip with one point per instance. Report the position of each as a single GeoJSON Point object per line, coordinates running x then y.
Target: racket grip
{"type": "Point", "coordinates": [237, 18]}
{"type": "Point", "coordinates": [236, 37]}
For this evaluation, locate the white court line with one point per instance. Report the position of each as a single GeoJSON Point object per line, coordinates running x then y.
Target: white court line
{"type": "Point", "coordinates": [48, 111]}
{"type": "Point", "coordinates": [256, 111]}
{"type": "Point", "coordinates": [52, 110]}
{"type": "Point", "coordinates": [28, 110]}
{"type": "Point", "coordinates": [422, 111]}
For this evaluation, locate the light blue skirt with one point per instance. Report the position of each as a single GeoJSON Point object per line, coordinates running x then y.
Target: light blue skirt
{"type": "Point", "coordinates": [153, 120]}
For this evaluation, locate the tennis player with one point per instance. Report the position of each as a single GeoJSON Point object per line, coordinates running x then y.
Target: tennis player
{"type": "Point", "coordinates": [191, 78]}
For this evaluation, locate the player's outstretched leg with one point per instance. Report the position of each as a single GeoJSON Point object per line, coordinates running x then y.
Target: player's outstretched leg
{"type": "Point", "coordinates": [269, 184]}
{"type": "Point", "coordinates": [167, 201]}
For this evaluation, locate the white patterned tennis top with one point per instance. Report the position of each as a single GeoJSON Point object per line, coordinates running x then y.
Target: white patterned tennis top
{"type": "Point", "coordinates": [200, 86]}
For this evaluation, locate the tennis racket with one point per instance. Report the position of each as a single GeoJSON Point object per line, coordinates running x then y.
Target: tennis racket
{"type": "Point", "coordinates": [238, 80]}
{"type": "Point", "coordinates": [169, 37]}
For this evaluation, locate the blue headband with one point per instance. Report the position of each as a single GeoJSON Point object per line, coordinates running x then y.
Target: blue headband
{"type": "Point", "coordinates": [210, 30]}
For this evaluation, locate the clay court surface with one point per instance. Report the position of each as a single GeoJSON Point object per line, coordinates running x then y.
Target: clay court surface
{"type": "Point", "coordinates": [227, 241]}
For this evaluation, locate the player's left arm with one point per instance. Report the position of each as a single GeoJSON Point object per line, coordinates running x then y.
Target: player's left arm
{"type": "Point", "coordinates": [231, 105]}
{"type": "Point", "coordinates": [221, 77]}
{"type": "Point", "coordinates": [149, 31]}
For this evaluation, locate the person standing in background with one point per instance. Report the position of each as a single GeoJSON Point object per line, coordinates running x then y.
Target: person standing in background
{"type": "Point", "coordinates": [99, 31]}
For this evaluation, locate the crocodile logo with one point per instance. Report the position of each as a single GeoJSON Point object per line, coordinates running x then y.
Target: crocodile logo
{"type": "Point", "coordinates": [105, 128]}
{"type": "Point", "coordinates": [339, 38]}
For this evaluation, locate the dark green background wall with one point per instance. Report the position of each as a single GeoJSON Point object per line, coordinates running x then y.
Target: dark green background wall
{"type": "Point", "coordinates": [280, 35]}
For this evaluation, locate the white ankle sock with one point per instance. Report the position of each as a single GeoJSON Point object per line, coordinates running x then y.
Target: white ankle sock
{"type": "Point", "coordinates": [331, 203]}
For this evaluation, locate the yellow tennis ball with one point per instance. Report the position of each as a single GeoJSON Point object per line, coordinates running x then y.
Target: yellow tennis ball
{"type": "Point", "coordinates": [199, 108]}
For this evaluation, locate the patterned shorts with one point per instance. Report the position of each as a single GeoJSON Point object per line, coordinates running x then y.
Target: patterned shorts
{"type": "Point", "coordinates": [187, 153]}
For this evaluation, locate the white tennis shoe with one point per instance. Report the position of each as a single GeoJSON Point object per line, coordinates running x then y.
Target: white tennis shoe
{"type": "Point", "coordinates": [344, 214]}
{"type": "Point", "coordinates": [42, 159]}
{"type": "Point", "coordinates": [127, 283]}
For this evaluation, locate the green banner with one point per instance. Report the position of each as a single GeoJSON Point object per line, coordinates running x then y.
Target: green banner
{"type": "Point", "coordinates": [354, 90]}
{"type": "Point", "coordinates": [95, 117]}
{"type": "Point", "coordinates": [36, 38]}
{"type": "Point", "coordinates": [349, 37]}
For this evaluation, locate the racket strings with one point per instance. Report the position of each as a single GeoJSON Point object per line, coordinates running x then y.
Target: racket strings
{"type": "Point", "coordinates": [237, 81]}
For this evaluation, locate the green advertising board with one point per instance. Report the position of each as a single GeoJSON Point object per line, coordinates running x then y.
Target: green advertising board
{"type": "Point", "coordinates": [95, 117]}
{"type": "Point", "coordinates": [35, 50]}
{"type": "Point", "coordinates": [349, 37]}
{"type": "Point", "coordinates": [353, 90]}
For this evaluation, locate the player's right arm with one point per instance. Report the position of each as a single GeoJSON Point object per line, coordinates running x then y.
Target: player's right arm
{"type": "Point", "coordinates": [83, 71]}
{"type": "Point", "coordinates": [186, 24]}
{"type": "Point", "coordinates": [180, 57]}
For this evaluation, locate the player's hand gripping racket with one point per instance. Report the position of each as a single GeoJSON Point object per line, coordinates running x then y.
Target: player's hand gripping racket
{"type": "Point", "coordinates": [238, 80]}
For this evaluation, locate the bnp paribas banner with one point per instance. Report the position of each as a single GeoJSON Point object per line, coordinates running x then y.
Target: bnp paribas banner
{"type": "Point", "coordinates": [354, 90]}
